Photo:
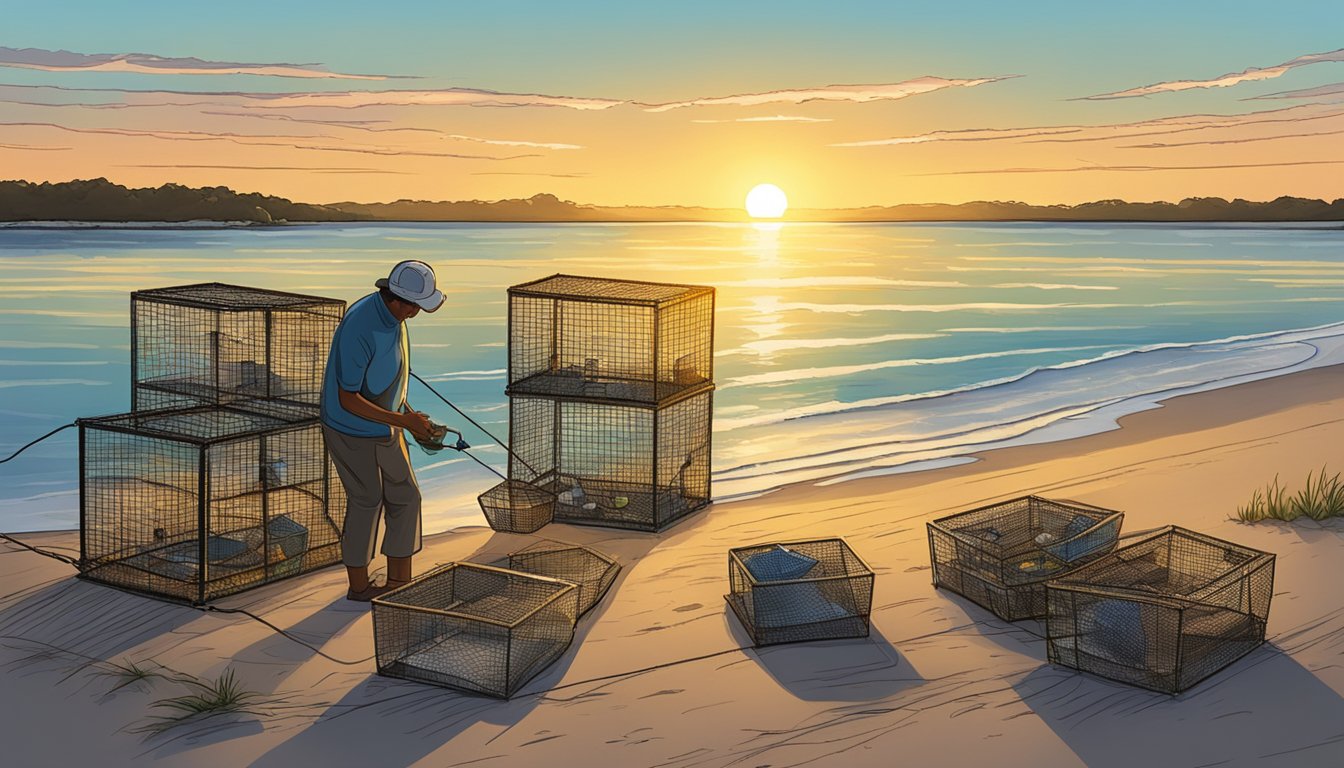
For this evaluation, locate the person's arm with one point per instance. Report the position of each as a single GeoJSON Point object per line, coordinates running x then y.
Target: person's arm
{"type": "Point", "coordinates": [412, 421]}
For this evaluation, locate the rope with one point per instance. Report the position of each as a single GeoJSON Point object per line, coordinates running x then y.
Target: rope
{"type": "Point", "coordinates": [478, 426]}
{"type": "Point", "coordinates": [44, 552]}
{"type": "Point", "coordinates": [35, 442]}
{"type": "Point", "coordinates": [283, 633]}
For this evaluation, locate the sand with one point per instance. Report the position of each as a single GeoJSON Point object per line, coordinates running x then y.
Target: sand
{"type": "Point", "coordinates": [661, 674]}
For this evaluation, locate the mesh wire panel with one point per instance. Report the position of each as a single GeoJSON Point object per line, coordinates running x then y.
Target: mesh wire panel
{"type": "Point", "coordinates": [1001, 556]}
{"type": "Point", "coordinates": [474, 627]}
{"type": "Point", "coordinates": [833, 599]}
{"type": "Point", "coordinates": [517, 507]}
{"type": "Point", "coordinates": [1164, 612]}
{"type": "Point", "coordinates": [591, 570]}
{"type": "Point", "coordinates": [614, 465]}
{"type": "Point", "coordinates": [614, 340]}
{"type": "Point", "coordinates": [219, 344]}
{"type": "Point", "coordinates": [198, 503]}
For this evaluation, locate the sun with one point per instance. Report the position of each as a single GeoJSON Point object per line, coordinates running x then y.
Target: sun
{"type": "Point", "coordinates": [766, 201]}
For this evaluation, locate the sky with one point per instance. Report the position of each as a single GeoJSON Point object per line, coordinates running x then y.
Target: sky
{"type": "Point", "coordinates": [841, 104]}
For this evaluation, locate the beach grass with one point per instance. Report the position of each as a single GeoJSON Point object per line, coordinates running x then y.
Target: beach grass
{"type": "Point", "coordinates": [128, 672]}
{"type": "Point", "coordinates": [1320, 498]}
{"type": "Point", "coordinates": [223, 695]}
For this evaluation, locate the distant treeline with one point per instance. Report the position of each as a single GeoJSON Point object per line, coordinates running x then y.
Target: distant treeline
{"type": "Point", "coordinates": [100, 200]}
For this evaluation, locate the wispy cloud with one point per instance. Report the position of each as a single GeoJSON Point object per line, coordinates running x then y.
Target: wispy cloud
{"type": "Point", "coordinates": [377, 126]}
{"type": "Point", "coordinates": [1065, 134]}
{"type": "Point", "coordinates": [306, 143]}
{"type": "Point", "coordinates": [855, 93]}
{"type": "Point", "coordinates": [250, 100]}
{"type": "Point", "coordinates": [1133, 168]}
{"type": "Point", "coordinates": [969, 134]}
{"type": "Point", "coordinates": [1246, 140]}
{"type": "Point", "coordinates": [1320, 91]}
{"type": "Point", "coordinates": [149, 64]}
{"type": "Point", "coordinates": [304, 168]}
{"type": "Point", "coordinates": [771, 119]}
{"type": "Point", "coordinates": [469, 97]}
{"type": "Point", "coordinates": [33, 148]}
{"type": "Point", "coordinates": [1225, 81]}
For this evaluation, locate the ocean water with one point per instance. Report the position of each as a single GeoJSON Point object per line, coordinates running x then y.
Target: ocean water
{"type": "Point", "coordinates": [842, 350]}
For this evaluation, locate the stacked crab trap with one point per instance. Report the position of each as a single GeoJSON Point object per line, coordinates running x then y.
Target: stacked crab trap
{"type": "Point", "coordinates": [487, 629]}
{"type": "Point", "coordinates": [218, 479]}
{"type": "Point", "coordinates": [1163, 611]}
{"type": "Point", "coordinates": [610, 399]}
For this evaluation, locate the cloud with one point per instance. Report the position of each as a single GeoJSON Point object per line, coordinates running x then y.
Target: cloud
{"type": "Point", "coordinates": [1066, 134]}
{"type": "Point", "coordinates": [771, 119]}
{"type": "Point", "coordinates": [469, 97]}
{"type": "Point", "coordinates": [307, 143]}
{"type": "Point", "coordinates": [1320, 91]}
{"type": "Point", "coordinates": [304, 168]}
{"type": "Point", "coordinates": [149, 64]}
{"type": "Point", "coordinates": [33, 148]}
{"type": "Point", "coordinates": [855, 93]}
{"type": "Point", "coordinates": [1247, 140]}
{"type": "Point", "coordinates": [969, 134]}
{"type": "Point", "coordinates": [248, 100]}
{"type": "Point", "coordinates": [1133, 168]}
{"type": "Point", "coordinates": [375, 126]}
{"type": "Point", "coordinates": [1225, 81]}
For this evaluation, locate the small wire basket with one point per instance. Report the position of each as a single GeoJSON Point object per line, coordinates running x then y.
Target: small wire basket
{"type": "Point", "coordinates": [517, 507]}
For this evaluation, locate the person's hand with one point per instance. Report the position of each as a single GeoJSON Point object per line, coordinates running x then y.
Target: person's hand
{"type": "Point", "coordinates": [419, 425]}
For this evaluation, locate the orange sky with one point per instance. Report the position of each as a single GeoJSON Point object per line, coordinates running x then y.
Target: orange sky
{"type": "Point", "coordinates": [1051, 120]}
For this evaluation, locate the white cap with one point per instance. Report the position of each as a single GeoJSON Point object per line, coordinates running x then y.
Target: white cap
{"type": "Point", "coordinates": [414, 282]}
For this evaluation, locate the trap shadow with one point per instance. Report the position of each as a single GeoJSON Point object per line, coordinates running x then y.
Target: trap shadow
{"type": "Point", "coordinates": [844, 670]}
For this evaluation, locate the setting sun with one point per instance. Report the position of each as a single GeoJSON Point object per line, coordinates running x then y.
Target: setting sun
{"type": "Point", "coordinates": [766, 201]}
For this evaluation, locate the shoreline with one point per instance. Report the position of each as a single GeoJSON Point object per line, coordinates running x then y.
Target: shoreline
{"type": "Point", "coordinates": [660, 672]}
{"type": "Point", "coordinates": [57, 225]}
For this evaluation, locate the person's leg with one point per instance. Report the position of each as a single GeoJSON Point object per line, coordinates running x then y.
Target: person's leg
{"type": "Point", "coordinates": [356, 463]}
{"type": "Point", "coordinates": [401, 505]}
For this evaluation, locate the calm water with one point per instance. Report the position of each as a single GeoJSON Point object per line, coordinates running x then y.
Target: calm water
{"type": "Point", "coordinates": [842, 350]}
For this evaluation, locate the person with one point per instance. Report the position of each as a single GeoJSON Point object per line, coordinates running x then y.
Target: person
{"type": "Point", "coordinates": [364, 413]}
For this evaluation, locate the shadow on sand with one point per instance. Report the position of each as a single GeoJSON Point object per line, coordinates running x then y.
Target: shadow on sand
{"type": "Point", "coordinates": [406, 721]}
{"type": "Point", "coordinates": [853, 670]}
{"type": "Point", "coordinates": [1226, 720]}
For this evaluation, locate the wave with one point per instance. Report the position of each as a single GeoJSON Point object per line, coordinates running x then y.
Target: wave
{"type": "Point", "coordinates": [835, 407]}
{"type": "Point", "coordinates": [798, 374]}
{"type": "Point", "coordinates": [52, 383]}
{"type": "Point", "coordinates": [838, 441]}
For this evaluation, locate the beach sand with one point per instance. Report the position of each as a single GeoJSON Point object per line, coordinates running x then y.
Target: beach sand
{"type": "Point", "coordinates": [661, 674]}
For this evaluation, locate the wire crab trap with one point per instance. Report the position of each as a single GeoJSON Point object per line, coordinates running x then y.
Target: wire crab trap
{"type": "Point", "coordinates": [620, 466]}
{"type": "Point", "coordinates": [800, 591]}
{"type": "Point", "coordinates": [517, 507]}
{"type": "Point", "coordinates": [474, 627]}
{"type": "Point", "coordinates": [1163, 612]}
{"type": "Point", "coordinates": [197, 503]}
{"type": "Point", "coordinates": [215, 344]}
{"type": "Point", "coordinates": [621, 341]}
{"type": "Point", "coordinates": [1001, 556]}
{"type": "Point", "coordinates": [592, 571]}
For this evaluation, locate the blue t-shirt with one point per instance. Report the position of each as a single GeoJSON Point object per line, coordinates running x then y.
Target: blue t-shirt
{"type": "Point", "coordinates": [369, 355]}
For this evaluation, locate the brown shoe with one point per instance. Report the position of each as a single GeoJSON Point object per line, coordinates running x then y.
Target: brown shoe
{"type": "Point", "coordinates": [373, 590]}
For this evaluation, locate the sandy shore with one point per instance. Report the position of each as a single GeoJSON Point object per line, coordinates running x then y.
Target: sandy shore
{"type": "Point", "coordinates": [662, 675]}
